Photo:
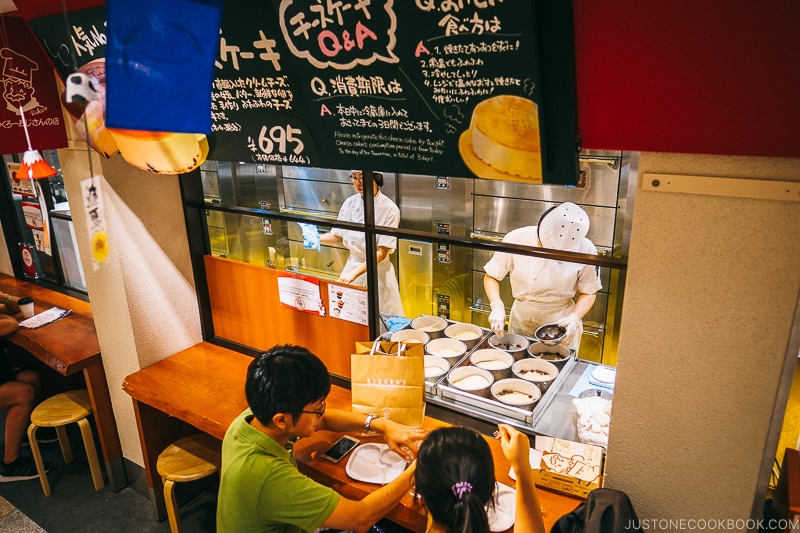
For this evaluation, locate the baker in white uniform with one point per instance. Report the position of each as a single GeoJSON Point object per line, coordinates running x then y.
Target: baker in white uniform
{"type": "Point", "coordinates": [545, 291]}
{"type": "Point", "coordinates": [355, 270]}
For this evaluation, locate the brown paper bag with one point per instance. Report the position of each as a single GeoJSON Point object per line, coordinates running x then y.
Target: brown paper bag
{"type": "Point", "coordinates": [387, 384]}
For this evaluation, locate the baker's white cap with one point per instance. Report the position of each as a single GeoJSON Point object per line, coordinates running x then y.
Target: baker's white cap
{"type": "Point", "coordinates": [564, 227]}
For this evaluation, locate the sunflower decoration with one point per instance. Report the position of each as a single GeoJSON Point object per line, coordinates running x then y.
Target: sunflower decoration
{"type": "Point", "coordinates": [100, 247]}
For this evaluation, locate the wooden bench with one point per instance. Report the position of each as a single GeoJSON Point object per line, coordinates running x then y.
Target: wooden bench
{"type": "Point", "coordinates": [69, 346]}
{"type": "Point", "coordinates": [202, 388]}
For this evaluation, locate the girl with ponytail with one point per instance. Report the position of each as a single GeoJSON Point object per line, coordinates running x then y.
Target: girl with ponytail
{"type": "Point", "coordinates": [455, 478]}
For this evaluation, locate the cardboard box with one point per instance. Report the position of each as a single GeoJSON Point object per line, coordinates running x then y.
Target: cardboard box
{"type": "Point", "coordinates": [569, 467]}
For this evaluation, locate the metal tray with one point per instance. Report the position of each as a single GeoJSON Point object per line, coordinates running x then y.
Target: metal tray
{"type": "Point", "coordinates": [498, 408]}
{"type": "Point", "coordinates": [462, 399]}
{"type": "Point", "coordinates": [431, 387]}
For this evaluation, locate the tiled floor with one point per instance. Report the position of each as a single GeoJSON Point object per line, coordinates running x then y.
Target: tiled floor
{"type": "Point", "coordinates": [12, 519]}
{"type": "Point", "coordinates": [75, 507]}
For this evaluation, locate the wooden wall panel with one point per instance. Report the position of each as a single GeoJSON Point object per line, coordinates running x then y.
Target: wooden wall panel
{"type": "Point", "coordinates": [246, 309]}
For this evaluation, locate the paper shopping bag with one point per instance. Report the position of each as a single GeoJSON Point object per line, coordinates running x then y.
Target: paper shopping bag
{"type": "Point", "coordinates": [388, 379]}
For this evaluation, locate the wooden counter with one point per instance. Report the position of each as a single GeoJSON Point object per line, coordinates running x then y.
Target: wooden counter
{"type": "Point", "coordinates": [243, 295]}
{"type": "Point", "coordinates": [202, 388]}
{"type": "Point", "coordinates": [68, 346]}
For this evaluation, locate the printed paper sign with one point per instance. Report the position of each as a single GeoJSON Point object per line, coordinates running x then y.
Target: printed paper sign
{"type": "Point", "coordinates": [300, 292]}
{"type": "Point", "coordinates": [92, 199]}
{"type": "Point", "coordinates": [348, 304]}
{"type": "Point", "coordinates": [41, 242]}
{"type": "Point", "coordinates": [43, 237]}
{"type": "Point", "coordinates": [21, 187]}
{"type": "Point", "coordinates": [33, 215]}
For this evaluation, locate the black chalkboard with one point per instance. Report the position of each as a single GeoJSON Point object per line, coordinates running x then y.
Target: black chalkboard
{"type": "Point", "coordinates": [390, 85]}
{"type": "Point", "coordinates": [75, 43]}
{"type": "Point", "coordinates": [437, 87]}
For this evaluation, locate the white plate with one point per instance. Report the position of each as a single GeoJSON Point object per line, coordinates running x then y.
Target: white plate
{"type": "Point", "coordinates": [365, 464]}
{"type": "Point", "coordinates": [505, 508]}
{"type": "Point", "coordinates": [604, 375]}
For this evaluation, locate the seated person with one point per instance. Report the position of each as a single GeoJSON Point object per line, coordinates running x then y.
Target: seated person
{"type": "Point", "coordinates": [18, 392]}
{"type": "Point", "coordinates": [260, 486]}
{"type": "Point", "coordinates": [455, 478]}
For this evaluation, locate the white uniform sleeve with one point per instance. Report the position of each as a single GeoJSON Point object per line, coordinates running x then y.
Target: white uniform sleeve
{"type": "Point", "coordinates": [388, 215]}
{"type": "Point", "coordinates": [499, 265]}
{"type": "Point", "coordinates": [502, 263]}
{"type": "Point", "coordinates": [589, 276]}
{"type": "Point", "coordinates": [343, 212]}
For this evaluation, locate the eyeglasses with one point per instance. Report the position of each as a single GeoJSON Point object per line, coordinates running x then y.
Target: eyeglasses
{"type": "Point", "coordinates": [356, 179]}
{"type": "Point", "coordinates": [318, 413]}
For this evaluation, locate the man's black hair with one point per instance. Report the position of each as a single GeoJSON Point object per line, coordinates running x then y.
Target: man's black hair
{"type": "Point", "coordinates": [285, 379]}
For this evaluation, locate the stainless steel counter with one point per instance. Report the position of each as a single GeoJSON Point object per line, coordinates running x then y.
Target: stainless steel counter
{"type": "Point", "coordinates": [554, 415]}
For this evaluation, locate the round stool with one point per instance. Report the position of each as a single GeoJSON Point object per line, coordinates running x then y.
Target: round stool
{"type": "Point", "coordinates": [57, 412]}
{"type": "Point", "coordinates": [188, 459]}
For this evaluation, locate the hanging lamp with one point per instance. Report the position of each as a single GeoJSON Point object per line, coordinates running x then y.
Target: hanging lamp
{"type": "Point", "coordinates": [33, 167]}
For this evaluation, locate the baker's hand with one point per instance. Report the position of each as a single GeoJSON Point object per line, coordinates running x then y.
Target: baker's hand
{"type": "Point", "coordinates": [497, 318]}
{"type": "Point", "coordinates": [346, 279]}
{"type": "Point", "coordinates": [571, 322]}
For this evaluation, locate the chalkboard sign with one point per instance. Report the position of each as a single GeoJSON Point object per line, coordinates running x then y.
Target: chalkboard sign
{"type": "Point", "coordinates": [437, 87]}
{"type": "Point", "coordinates": [74, 46]}
{"type": "Point", "coordinates": [461, 88]}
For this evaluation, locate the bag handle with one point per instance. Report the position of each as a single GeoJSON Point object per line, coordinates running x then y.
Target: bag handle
{"type": "Point", "coordinates": [374, 346]}
{"type": "Point", "coordinates": [401, 347]}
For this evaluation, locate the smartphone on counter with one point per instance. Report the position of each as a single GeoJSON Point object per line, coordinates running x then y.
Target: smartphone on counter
{"type": "Point", "coordinates": [340, 448]}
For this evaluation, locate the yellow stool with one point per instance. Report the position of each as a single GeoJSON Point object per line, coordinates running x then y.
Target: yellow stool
{"type": "Point", "coordinates": [188, 459]}
{"type": "Point", "coordinates": [57, 412]}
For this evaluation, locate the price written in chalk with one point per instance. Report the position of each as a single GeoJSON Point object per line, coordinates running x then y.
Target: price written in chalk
{"type": "Point", "coordinates": [278, 144]}
{"type": "Point", "coordinates": [280, 137]}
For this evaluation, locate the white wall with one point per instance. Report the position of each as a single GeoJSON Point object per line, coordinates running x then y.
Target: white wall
{"type": "Point", "coordinates": [712, 286]}
{"type": "Point", "coordinates": [143, 297]}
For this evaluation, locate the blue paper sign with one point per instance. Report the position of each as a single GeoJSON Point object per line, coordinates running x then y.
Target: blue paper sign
{"type": "Point", "coordinates": [159, 56]}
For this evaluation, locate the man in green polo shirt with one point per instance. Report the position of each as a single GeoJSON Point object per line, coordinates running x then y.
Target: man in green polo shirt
{"type": "Point", "coordinates": [261, 489]}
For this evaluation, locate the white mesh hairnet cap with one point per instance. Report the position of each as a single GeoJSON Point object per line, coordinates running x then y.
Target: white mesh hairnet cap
{"type": "Point", "coordinates": [564, 227]}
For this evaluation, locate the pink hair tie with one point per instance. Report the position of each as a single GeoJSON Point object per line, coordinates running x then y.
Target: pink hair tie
{"type": "Point", "coordinates": [461, 488]}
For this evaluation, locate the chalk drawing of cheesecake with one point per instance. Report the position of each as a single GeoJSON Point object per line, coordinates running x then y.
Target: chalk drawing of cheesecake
{"type": "Point", "coordinates": [502, 141]}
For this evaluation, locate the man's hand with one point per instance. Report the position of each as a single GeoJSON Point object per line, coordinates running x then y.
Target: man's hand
{"type": "Point", "coordinates": [404, 440]}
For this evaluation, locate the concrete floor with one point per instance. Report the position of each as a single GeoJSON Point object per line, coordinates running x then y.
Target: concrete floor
{"type": "Point", "coordinates": [75, 507]}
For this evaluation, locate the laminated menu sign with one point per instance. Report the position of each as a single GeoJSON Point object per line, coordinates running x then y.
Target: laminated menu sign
{"type": "Point", "coordinates": [348, 304]}
{"type": "Point", "coordinates": [300, 292]}
{"type": "Point", "coordinates": [437, 87]}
